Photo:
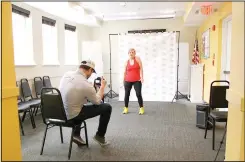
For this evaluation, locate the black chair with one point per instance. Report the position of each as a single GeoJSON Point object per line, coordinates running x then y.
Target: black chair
{"type": "Point", "coordinates": [38, 84]}
{"type": "Point", "coordinates": [24, 107]}
{"type": "Point", "coordinates": [27, 96]}
{"type": "Point", "coordinates": [47, 82]}
{"type": "Point", "coordinates": [217, 100]}
{"type": "Point", "coordinates": [53, 114]}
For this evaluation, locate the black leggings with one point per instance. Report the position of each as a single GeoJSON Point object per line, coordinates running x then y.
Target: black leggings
{"type": "Point", "coordinates": [137, 87]}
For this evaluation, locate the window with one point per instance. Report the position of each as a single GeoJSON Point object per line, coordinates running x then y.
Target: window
{"type": "Point", "coordinates": [71, 47]}
{"type": "Point", "coordinates": [205, 44]}
{"type": "Point", "coordinates": [22, 36]}
{"type": "Point", "coordinates": [50, 45]}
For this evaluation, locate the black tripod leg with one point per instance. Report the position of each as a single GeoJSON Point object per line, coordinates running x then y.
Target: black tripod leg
{"type": "Point", "coordinates": [174, 97]}
{"type": "Point", "coordinates": [184, 96]}
{"type": "Point", "coordinates": [110, 94]}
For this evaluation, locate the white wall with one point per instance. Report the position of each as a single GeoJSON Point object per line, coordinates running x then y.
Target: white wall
{"type": "Point", "coordinates": [55, 72]}
{"type": "Point", "coordinates": [187, 35]}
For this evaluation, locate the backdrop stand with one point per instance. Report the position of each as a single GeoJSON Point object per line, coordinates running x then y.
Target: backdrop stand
{"type": "Point", "coordinates": [178, 94]}
{"type": "Point", "coordinates": [111, 94]}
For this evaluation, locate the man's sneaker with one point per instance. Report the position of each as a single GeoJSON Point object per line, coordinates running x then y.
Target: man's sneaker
{"type": "Point", "coordinates": [142, 111]}
{"type": "Point", "coordinates": [78, 140]}
{"type": "Point", "coordinates": [101, 140]}
{"type": "Point", "coordinates": [125, 110]}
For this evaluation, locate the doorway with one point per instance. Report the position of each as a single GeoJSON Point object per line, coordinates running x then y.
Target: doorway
{"type": "Point", "coordinates": [226, 51]}
{"type": "Point", "coordinates": [226, 48]}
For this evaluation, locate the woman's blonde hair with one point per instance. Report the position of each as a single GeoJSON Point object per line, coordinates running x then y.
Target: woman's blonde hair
{"type": "Point", "coordinates": [130, 49]}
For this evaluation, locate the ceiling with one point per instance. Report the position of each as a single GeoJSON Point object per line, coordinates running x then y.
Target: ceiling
{"type": "Point", "coordinates": [134, 10]}
{"type": "Point", "coordinates": [94, 13]}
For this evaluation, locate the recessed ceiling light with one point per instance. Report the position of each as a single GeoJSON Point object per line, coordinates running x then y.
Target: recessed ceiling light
{"type": "Point", "coordinates": [123, 4]}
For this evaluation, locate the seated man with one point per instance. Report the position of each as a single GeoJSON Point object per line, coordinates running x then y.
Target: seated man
{"type": "Point", "coordinates": [75, 91]}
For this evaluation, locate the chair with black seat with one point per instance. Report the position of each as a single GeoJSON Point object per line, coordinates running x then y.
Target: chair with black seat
{"type": "Point", "coordinates": [217, 100]}
{"type": "Point", "coordinates": [38, 84]}
{"type": "Point", "coordinates": [53, 113]}
{"type": "Point", "coordinates": [47, 82]}
{"type": "Point", "coordinates": [27, 95]}
{"type": "Point", "coordinates": [24, 107]}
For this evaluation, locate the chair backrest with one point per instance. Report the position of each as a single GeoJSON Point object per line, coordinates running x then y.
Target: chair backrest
{"type": "Point", "coordinates": [218, 95]}
{"type": "Point", "coordinates": [52, 105]}
{"type": "Point", "coordinates": [47, 82]}
{"type": "Point", "coordinates": [25, 88]}
{"type": "Point", "coordinates": [38, 84]}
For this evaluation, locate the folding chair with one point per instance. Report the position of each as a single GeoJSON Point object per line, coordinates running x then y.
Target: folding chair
{"type": "Point", "coordinates": [53, 113]}
{"type": "Point", "coordinates": [38, 84]}
{"type": "Point", "coordinates": [27, 96]}
{"type": "Point", "coordinates": [47, 82]}
{"type": "Point", "coordinates": [24, 107]}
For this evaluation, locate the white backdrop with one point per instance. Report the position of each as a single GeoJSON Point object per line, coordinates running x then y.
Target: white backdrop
{"type": "Point", "coordinates": [158, 52]}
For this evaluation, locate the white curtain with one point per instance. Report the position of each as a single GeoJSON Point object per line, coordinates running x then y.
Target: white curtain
{"type": "Point", "coordinates": [158, 52]}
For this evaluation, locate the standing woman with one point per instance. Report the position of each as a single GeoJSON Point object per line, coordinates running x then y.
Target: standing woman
{"type": "Point", "coordinates": [133, 76]}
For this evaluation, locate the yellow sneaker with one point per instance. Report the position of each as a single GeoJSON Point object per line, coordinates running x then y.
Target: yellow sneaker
{"type": "Point", "coordinates": [142, 111]}
{"type": "Point", "coordinates": [125, 110]}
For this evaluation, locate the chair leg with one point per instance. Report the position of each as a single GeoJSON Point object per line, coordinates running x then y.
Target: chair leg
{"type": "Point", "coordinates": [213, 138]}
{"type": "Point", "coordinates": [36, 111]}
{"type": "Point", "coordinates": [32, 119]}
{"type": "Point", "coordinates": [44, 137]}
{"type": "Point", "coordinates": [21, 126]}
{"type": "Point", "coordinates": [206, 129]}
{"type": "Point", "coordinates": [69, 153]}
{"type": "Point", "coordinates": [61, 134]}
{"type": "Point", "coordinates": [86, 134]}
{"type": "Point", "coordinates": [24, 116]}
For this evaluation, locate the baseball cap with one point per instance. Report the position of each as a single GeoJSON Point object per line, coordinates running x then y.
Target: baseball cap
{"type": "Point", "coordinates": [89, 63]}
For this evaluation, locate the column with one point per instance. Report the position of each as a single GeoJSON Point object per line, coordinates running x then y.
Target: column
{"type": "Point", "coordinates": [11, 145]}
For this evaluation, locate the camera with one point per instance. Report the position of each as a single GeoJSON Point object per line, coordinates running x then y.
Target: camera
{"type": "Point", "coordinates": [97, 81]}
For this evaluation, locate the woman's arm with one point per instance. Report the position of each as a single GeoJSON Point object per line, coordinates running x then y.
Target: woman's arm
{"type": "Point", "coordinates": [125, 69]}
{"type": "Point", "coordinates": [141, 68]}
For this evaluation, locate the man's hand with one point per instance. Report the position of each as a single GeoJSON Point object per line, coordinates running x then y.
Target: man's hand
{"type": "Point", "coordinates": [103, 82]}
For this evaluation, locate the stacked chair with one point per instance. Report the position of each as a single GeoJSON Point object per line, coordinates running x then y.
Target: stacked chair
{"type": "Point", "coordinates": [27, 104]}
{"type": "Point", "coordinates": [27, 96]}
{"type": "Point", "coordinates": [38, 84]}
{"type": "Point", "coordinates": [25, 107]}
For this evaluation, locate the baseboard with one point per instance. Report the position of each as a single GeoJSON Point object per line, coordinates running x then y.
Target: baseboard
{"type": "Point", "coordinates": [197, 101]}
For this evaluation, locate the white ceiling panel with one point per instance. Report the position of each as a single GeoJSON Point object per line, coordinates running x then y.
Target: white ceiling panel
{"type": "Point", "coordinates": [134, 10]}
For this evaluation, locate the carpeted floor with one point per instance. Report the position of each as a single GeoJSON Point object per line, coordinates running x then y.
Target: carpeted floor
{"type": "Point", "coordinates": [166, 132]}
